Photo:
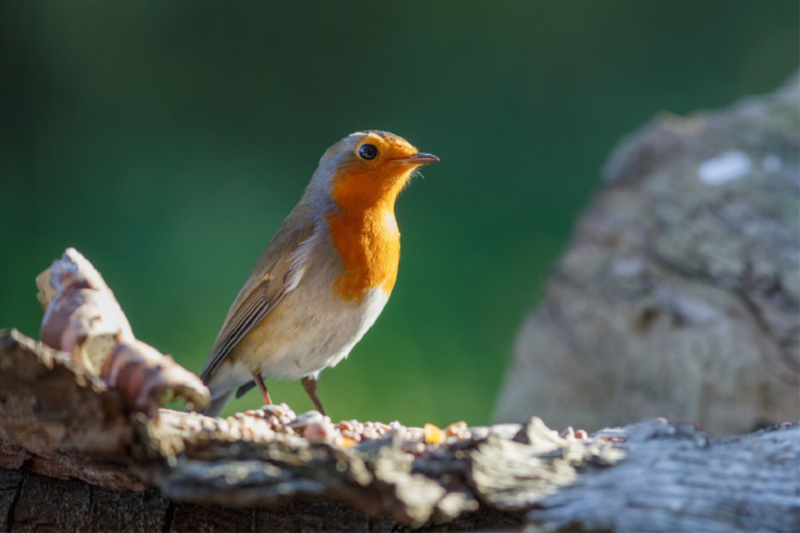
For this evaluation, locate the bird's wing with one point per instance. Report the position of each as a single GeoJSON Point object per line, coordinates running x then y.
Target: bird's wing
{"type": "Point", "coordinates": [278, 271]}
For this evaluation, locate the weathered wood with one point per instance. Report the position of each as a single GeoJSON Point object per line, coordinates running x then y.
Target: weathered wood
{"type": "Point", "coordinates": [675, 479]}
{"type": "Point", "coordinates": [679, 295]}
{"type": "Point", "coordinates": [50, 403]}
{"type": "Point", "coordinates": [31, 502]}
{"type": "Point", "coordinates": [259, 458]}
{"type": "Point", "coordinates": [246, 474]}
{"type": "Point", "coordinates": [83, 319]}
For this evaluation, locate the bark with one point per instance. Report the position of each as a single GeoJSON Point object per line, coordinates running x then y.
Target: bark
{"type": "Point", "coordinates": [83, 318]}
{"type": "Point", "coordinates": [675, 479]}
{"type": "Point", "coordinates": [679, 295]}
{"type": "Point", "coordinates": [187, 472]}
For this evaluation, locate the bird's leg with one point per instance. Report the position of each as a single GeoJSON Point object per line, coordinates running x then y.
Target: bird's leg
{"type": "Point", "coordinates": [262, 387]}
{"type": "Point", "coordinates": [310, 385]}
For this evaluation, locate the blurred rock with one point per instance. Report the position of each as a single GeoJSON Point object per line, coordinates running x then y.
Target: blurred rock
{"type": "Point", "coordinates": [679, 295]}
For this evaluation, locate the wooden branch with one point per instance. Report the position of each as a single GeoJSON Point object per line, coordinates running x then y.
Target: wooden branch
{"type": "Point", "coordinates": [82, 318]}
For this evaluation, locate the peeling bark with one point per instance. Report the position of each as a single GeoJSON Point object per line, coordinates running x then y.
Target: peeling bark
{"type": "Point", "coordinates": [83, 318]}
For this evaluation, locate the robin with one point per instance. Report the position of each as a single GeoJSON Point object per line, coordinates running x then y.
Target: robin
{"type": "Point", "coordinates": [324, 277]}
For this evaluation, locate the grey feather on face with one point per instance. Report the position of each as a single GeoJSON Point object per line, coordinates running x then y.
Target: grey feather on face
{"type": "Point", "coordinates": [338, 156]}
{"type": "Point", "coordinates": [379, 133]}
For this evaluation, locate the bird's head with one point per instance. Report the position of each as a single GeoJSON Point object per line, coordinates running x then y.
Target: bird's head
{"type": "Point", "coordinates": [368, 168]}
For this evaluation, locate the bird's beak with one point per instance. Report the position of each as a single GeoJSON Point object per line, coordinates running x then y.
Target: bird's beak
{"type": "Point", "coordinates": [418, 159]}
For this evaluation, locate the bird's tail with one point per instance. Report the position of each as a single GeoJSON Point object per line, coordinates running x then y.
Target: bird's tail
{"type": "Point", "coordinates": [217, 404]}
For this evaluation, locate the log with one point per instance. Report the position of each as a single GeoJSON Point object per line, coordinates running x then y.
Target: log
{"type": "Point", "coordinates": [180, 471]}
{"type": "Point", "coordinates": [679, 295]}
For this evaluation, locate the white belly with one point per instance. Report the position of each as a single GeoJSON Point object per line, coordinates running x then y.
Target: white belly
{"type": "Point", "coordinates": [331, 335]}
{"type": "Point", "coordinates": [306, 339]}
{"type": "Point", "coordinates": [310, 329]}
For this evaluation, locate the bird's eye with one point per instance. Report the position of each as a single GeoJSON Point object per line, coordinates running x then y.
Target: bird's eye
{"type": "Point", "coordinates": [368, 151]}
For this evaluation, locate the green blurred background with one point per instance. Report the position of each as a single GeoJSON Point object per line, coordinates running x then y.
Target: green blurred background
{"type": "Point", "coordinates": [168, 140]}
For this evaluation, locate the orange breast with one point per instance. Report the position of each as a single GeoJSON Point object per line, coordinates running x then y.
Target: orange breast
{"type": "Point", "coordinates": [365, 234]}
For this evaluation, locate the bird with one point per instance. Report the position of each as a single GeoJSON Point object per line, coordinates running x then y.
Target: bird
{"type": "Point", "coordinates": [324, 277]}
